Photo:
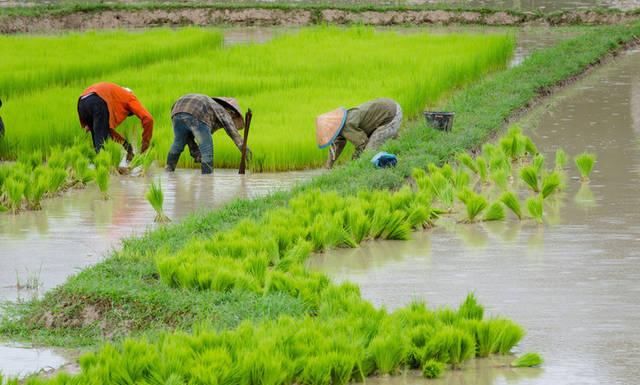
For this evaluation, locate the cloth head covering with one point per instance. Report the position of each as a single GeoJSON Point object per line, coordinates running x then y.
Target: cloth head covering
{"type": "Point", "coordinates": [329, 125]}
{"type": "Point", "coordinates": [231, 104]}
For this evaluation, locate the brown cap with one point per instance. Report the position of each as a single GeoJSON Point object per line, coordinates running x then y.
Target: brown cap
{"type": "Point", "coordinates": [231, 104]}
{"type": "Point", "coordinates": [329, 125]}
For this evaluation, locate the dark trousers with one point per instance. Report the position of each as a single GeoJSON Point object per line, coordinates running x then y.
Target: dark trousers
{"type": "Point", "coordinates": [1, 128]}
{"type": "Point", "coordinates": [94, 113]}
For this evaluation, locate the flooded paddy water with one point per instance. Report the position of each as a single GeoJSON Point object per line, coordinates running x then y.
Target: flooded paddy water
{"type": "Point", "coordinates": [572, 283]}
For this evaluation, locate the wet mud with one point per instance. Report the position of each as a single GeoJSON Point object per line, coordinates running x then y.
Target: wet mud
{"type": "Point", "coordinates": [572, 283]}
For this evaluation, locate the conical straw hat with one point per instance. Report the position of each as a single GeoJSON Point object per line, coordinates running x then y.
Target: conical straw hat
{"type": "Point", "coordinates": [232, 106]}
{"type": "Point", "coordinates": [329, 125]}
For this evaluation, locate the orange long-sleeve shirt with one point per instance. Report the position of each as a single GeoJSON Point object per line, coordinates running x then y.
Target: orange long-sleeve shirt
{"type": "Point", "coordinates": [122, 103]}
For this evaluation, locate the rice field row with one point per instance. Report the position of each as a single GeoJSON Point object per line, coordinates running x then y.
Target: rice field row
{"type": "Point", "coordinates": [286, 82]}
{"type": "Point", "coordinates": [50, 61]}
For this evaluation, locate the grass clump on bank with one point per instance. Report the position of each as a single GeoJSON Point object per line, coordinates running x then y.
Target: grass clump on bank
{"type": "Point", "coordinates": [286, 82]}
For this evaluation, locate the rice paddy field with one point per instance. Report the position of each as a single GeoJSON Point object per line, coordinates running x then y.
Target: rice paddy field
{"type": "Point", "coordinates": [286, 82]}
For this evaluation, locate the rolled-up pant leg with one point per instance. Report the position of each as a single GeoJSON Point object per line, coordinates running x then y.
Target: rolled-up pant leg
{"type": "Point", "coordinates": [386, 131]}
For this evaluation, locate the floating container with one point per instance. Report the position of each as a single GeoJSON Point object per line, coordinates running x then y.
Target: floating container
{"type": "Point", "coordinates": [440, 120]}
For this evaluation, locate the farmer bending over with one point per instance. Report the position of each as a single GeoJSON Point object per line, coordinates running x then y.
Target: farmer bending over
{"type": "Point", "coordinates": [196, 117]}
{"type": "Point", "coordinates": [366, 127]}
{"type": "Point", "coordinates": [103, 106]}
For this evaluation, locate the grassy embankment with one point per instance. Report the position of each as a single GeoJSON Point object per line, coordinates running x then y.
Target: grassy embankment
{"type": "Point", "coordinates": [286, 82]}
{"type": "Point", "coordinates": [73, 6]}
{"type": "Point", "coordinates": [126, 289]}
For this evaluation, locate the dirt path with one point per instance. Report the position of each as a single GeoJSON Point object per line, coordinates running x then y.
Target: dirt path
{"type": "Point", "coordinates": [139, 18]}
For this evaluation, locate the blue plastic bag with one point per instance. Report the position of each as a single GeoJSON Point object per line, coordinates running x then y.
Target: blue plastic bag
{"type": "Point", "coordinates": [384, 159]}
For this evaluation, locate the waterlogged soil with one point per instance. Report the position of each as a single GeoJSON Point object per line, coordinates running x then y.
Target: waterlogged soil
{"type": "Point", "coordinates": [40, 249]}
{"type": "Point", "coordinates": [20, 361]}
{"type": "Point", "coordinates": [572, 283]}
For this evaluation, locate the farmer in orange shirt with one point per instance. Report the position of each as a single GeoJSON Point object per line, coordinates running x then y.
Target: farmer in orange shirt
{"type": "Point", "coordinates": [103, 106]}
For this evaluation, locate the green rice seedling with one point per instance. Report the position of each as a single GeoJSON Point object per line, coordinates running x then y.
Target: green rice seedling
{"type": "Point", "coordinates": [561, 159]}
{"type": "Point", "coordinates": [550, 184]}
{"type": "Point", "coordinates": [527, 360]}
{"type": "Point", "coordinates": [143, 161]}
{"type": "Point", "coordinates": [510, 199]}
{"type": "Point", "coordinates": [483, 169]}
{"type": "Point", "coordinates": [529, 175]}
{"type": "Point", "coordinates": [115, 151]}
{"type": "Point", "coordinates": [500, 178]}
{"type": "Point", "coordinates": [470, 308]}
{"type": "Point", "coordinates": [512, 146]}
{"type": "Point", "coordinates": [15, 192]}
{"type": "Point", "coordinates": [81, 171]}
{"type": "Point", "coordinates": [103, 159]}
{"type": "Point", "coordinates": [466, 160]}
{"type": "Point", "coordinates": [450, 345]}
{"type": "Point", "coordinates": [156, 199]}
{"type": "Point", "coordinates": [474, 204]}
{"type": "Point", "coordinates": [488, 149]}
{"type": "Point", "coordinates": [102, 179]}
{"type": "Point", "coordinates": [35, 191]}
{"type": "Point", "coordinates": [535, 207]}
{"type": "Point", "coordinates": [433, 369]}
{"type": "Point", "coordinates": [530, 147]}
{"type": "Point", "coordinates": [461, 180]}
{"type": "Point", "coordinates": [57, 180]}
{"type": "Point", "coordinates": [585, 162]}
{"type": "Point", "coordinates": [495, 212]}
{"type": "Point", "coordinates": [447, 171]}
{"type": "Point", "coordinates": [538, 163]}
{"type": "Point", "coordinates": [388, 352]}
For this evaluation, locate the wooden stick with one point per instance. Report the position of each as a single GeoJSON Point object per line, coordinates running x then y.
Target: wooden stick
{"type": "Point", "coordinates": [243, 159]}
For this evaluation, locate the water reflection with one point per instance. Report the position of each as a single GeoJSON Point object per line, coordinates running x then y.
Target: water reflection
{"type": "Point", "coordinates": [77, 229]}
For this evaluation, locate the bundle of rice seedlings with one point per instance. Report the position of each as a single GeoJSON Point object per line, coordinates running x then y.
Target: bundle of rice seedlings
{"type": "Point", "coordinates": [585, 162]}
{"type": "Point", "coordinates": [81, 171]}
{"type": "Point", "coordinates": [538, 163]}
{"type": "Point", "coordinates": [15, 191]}
{"type": "Point", "coordinates": [115, 151]}
{"type": "Point", "coordinates": [156, 199]}
{"type": "Point", "coordinates": [527, 360]}
{"type": "Point", "coordinates": [35, 191]}
{"type": "Point", "coordinates": [57, 180]}
{"type": "Point", "coordinates": [561, 159]}
{"type": "Point", "coordinates": [529, 175]}
{"type": "Point", "coordinates": [102, 179]}
{"type": "Point", "coordinates": [495, 212]}
{"type": "Point", "coordinates": [550, 184]}
{"type": "Point", "coordinates": [530, 147]}
{"type": "Point", "coordinates": [483, 169]}
{"type": "Point", "coordinates": [500, 178]}
{"type": "Point", "coordinates": [510, 199]}
{"type": "Point", "coordinates": [432, 369]}
{"type": "Point", "coordinates": [474, 204]}
{"type": "Point", "coordinates": [388, 351]}
{"type": "Point", "coordinates": [461, 180]}
{"type": "Point", "coordinates": [450, 345]}
{"type": "Point", "coordinates": [535, 208]}
{"type": "Point", "coordinates": [143, 162]}
{"type": "Point", "coordinates": [470, 308]}
{"type": "Point", "coordinates": [466, 160]}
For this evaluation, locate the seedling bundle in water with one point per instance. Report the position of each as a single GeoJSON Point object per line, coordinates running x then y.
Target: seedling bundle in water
{"type": "Point", "coordinates": [585, 163]}
{"type": "Point", "coordinates": [156, 199]}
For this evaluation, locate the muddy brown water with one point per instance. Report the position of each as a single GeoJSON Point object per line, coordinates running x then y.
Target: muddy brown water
{"type": "Point", "coordinates": [572, 283]}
